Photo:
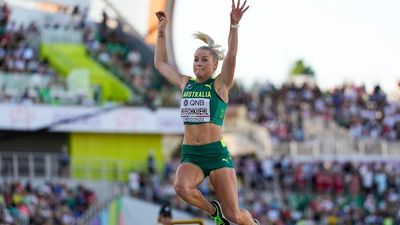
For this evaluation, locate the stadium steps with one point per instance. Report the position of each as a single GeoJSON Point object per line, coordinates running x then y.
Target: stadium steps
{"type": "Point", "coordinates": [337, 140]}
{"type": "Point", "coordinates": [332, 138]}
{"type": "Point", "coordinates": [243, 136]}
{"type": "Point", "coordinates": [66, 58]}
{"type": "Point", "coordinates": [315, 127]}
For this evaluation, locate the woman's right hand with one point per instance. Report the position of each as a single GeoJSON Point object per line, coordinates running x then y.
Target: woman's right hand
{"type": "Point", "coordinates": [162, 20]}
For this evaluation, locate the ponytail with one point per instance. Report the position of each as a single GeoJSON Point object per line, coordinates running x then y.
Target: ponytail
{"type": "Point", "coordinates": [214, 48]}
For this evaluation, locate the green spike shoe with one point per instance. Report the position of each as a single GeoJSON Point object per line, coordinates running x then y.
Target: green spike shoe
{"type": "Point", "coordinates": [219, 217]}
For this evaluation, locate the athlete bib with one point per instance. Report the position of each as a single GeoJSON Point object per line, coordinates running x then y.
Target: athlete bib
{"type": "Point", "coordinates": [195, 110]}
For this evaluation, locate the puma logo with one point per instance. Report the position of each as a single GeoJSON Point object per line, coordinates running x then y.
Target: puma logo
{"type": "Point", "coordinates": [225, 160]}
{"type": "Point", "coordinates": [208, 85]}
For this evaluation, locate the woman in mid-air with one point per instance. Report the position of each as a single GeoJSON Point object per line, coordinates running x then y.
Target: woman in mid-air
{"type": "Point", "coordinates": [203, 106]}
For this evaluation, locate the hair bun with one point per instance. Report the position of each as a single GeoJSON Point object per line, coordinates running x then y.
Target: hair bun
{"type": "Point", "coordinates": [211, 44]}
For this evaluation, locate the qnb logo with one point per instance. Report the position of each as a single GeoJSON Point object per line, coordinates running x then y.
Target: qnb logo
{"type": "Point", "coordinates": [196, 102]}
{"type": "Point", "coordinates": [185, 102]}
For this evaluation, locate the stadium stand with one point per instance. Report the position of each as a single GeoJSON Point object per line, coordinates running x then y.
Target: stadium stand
{"type": "Point", "coordinates": [288, 191]}
{"type": "Point", "coordinates": [25, 77]}
{"type": "Point", "coordinates": [124, 56]}
{"type": "Point", "coordinates": [49, 203]}
{"type": "Point", "coordinates": [283, 110]}
{"type": "Point", "coordinates": [130, 59]}
{"type": "Point", "coordinates": [333, 157]}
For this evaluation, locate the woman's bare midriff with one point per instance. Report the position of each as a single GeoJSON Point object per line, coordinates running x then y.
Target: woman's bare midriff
{"type": "Point", "coordinates": [201, 134]}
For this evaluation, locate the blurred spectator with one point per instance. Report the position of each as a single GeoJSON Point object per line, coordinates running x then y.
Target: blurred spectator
{"type": "Point", "coordinates": [63, 162]}
{"type": "Point", "coordinates": [165, 215]}
{"type": "Point", "coordinates": [134, 183]}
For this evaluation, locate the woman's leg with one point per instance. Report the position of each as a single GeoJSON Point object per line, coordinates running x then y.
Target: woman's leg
{"type": "Point", "coordinates": [187, 178]}
{"type": "Point", "coordinates": [224, 183]}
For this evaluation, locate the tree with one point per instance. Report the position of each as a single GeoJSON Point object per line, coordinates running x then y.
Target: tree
{"type": "Point", "coordinates": [299, 68]}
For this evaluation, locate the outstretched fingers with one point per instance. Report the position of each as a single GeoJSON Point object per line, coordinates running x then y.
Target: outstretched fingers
{"type": "Point", "coordinates": [246, 9]}
{"type": "Point", "coordinates": [242, 8]}
{"type": "Point", "coordinates": [244, 4]}
{"type": "Point", "coordinates": [237, 5]}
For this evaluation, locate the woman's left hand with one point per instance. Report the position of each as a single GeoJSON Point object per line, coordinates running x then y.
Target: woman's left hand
{"type": "Point", "coordinates": [237, 11]}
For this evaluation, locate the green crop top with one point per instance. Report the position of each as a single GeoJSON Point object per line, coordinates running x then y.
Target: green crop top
{"type": "Point", "coordinates": [201, 104]}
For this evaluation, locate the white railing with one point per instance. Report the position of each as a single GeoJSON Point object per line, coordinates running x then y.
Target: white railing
{"type": "Point", "coordinates": [61, 35]}
{"type": "Point", "coordinates": [93, 168]}
{"type": "Point", "coordinates": [94, 211]}
{"type": "Point", "coordinates": [33, 165]}
{"type": "Point", "coordinates": [340, 148]}
{"type": "Point", "coordinates": [15, 165]}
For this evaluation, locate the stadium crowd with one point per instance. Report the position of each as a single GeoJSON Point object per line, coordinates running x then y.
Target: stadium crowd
{"type": "Point", "coordinates": [110, 48]}
{"type": "Point", "coordinates": [45, 204]}
{"type": "Point", "coordinates": [287, 192]}
{"type": "Point", "coordinates": [25, 76]}
{"type": "Point", "coordinates": [282, 110]}
{"type": "Point", "coordinates": [19, 54]}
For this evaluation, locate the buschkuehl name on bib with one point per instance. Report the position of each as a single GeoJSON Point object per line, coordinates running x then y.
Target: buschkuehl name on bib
{"type": "Point", "coordinates": [195, 110]}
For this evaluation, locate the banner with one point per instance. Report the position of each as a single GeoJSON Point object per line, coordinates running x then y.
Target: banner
{"type": "Point", "coordinates": [90, 119]}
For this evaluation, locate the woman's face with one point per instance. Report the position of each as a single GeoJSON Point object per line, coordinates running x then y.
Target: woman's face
{"type": "Point", "coordinates": [204, 64]}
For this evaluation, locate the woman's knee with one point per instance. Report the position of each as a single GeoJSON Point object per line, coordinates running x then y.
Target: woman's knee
{"type": "Point", "coordinates": [181, 189]}
{"type": "Point", "coordinates": [187, 178]}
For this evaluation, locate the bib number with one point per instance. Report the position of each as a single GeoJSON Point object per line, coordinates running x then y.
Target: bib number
{"type": "Point", "coordinates": [195, 110]}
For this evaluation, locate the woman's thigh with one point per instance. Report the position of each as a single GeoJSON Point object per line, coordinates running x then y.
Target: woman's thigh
{"type": "Point", "coordinates": [188, 175]}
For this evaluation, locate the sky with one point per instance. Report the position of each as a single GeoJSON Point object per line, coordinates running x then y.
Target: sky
{"type": "Point", "coordinates": [342, 40]}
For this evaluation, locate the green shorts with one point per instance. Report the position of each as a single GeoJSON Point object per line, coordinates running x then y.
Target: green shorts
{"type": "Point", "coordinates": [208, 157]}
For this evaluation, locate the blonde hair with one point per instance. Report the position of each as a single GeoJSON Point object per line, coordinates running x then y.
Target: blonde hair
{"type": "Point", "coordinates": [218, 54]}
